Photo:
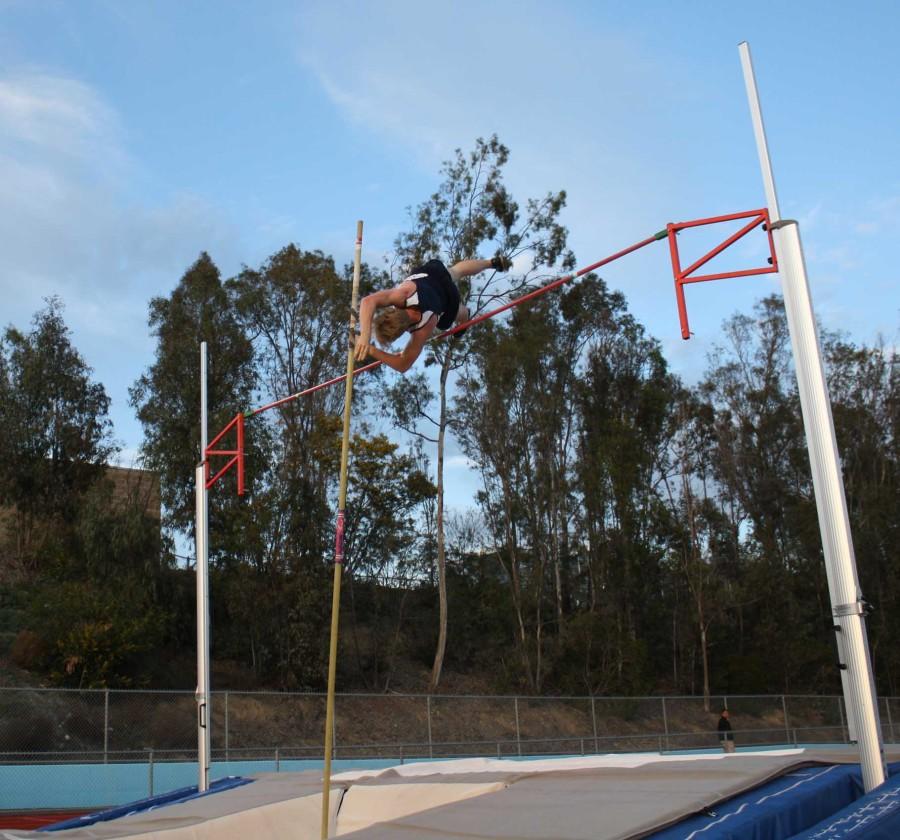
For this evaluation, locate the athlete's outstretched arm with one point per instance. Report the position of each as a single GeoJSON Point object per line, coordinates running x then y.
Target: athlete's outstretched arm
{"type": "Point", "coordinates": [403, 361]}
{"type": "Point", "coordinates": [367, 306]}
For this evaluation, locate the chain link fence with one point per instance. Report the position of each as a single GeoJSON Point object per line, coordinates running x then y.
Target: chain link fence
{"type": "Point", "coordinates": [102, 747]}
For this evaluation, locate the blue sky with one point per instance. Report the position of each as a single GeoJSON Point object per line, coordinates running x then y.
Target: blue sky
{"type": "Point", "coordinates": [134, 135]}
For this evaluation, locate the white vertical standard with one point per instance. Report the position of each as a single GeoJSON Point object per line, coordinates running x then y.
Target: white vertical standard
{"type": "Point", "coordinates": [834, 524]}
{"type": "Point", "coordinates": [201, 536]}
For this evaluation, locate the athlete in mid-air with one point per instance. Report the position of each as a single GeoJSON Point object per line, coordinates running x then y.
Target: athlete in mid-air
{"type": "Point", "coordinates": [426, 300]}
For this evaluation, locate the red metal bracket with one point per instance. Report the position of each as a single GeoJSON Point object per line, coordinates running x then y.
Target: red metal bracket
{"type": "Point", "coordinates": [686, 275]}
{"type": "Point", "coordinates": [237, 455]}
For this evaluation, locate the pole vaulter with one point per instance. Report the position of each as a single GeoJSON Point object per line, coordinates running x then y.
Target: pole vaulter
{"type": "Point", "coordinates": [477, 319]}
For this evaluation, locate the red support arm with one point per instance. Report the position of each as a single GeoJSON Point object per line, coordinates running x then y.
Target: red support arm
{"type": "Point", "coordinates": [686, 275]}
{"type": "Point", "coordinates": [236, 455]}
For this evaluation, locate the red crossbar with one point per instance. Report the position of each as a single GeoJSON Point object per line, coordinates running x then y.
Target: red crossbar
{"type": "Point", "coordinates": [554, 284]}
{"type": "Point", "coordinates": [682, 276]}
{"type": "Point", "coordinates": [237, 455]}
{"type": "Point", "coordinates": [686, 275]}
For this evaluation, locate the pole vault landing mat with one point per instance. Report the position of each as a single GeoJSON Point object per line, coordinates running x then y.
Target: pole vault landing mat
{"type": "Point", "coordinates": [594, 798]}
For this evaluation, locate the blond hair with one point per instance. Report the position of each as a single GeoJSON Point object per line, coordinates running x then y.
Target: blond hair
{"type": "Point", "coordinates": [389, 324]}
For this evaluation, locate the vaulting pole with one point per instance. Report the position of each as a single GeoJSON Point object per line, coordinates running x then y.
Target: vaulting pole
{"type": "Point", "coordinates": [201, 537]}
{"type": "Point", "coordinates": [339, 540]}
{"type": "Point", "coordinates": [848, 606]}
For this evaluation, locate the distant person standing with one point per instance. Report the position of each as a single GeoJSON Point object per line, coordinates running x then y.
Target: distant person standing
{"type": "Point", "coordinates": [725, 734]}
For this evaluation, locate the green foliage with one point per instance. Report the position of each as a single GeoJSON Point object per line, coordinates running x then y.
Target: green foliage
{"type": "Point", "coordinates": [295, 310]}
{"type": "Point", "coordinates": [93, 636]}
{"type": "Point", "coordinates": [562, 407]}
{"type": "Point", "coordinates": [12, 609]}
{"type": "Point", "coordinates": [864, 383]}
{"type": "Point", "coordinates": [100, 614]}
{"type": "Point", "coordinates": [758, 457]}
{"type": "Point", "coordinates": [471, 213]}
{"type": "Point", "coordinates": [167, 396]}
{"type": "Point", "coordinates": [385, 540]}
{"type": "Point", "coordinates": [386, 488]}
{"type": "Point", "coordinates": [116, 540]}
{"type": "Point", "coordinates": [632, 534]}
{"type": "Point", "coordinates": [56, 435]}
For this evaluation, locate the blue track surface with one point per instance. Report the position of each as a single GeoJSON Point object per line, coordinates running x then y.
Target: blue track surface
{"type": "Point", "coordinates": [32, 787]}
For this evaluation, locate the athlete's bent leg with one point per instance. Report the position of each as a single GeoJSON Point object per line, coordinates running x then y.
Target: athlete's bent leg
{"type": "Point", "coordinates": [466, 268]}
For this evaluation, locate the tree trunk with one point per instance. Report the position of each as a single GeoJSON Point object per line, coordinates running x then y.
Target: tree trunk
{"type": "Point", "coordinates": [555, 527]}
{"type": "Point", "coordinates": [441, 547]}
{"type": "Point", "coordinates": [704, 654]}
{"type": "Point", "coordinates": [515, 581]}
{"type": "Point", "coordinates": [675, 649]}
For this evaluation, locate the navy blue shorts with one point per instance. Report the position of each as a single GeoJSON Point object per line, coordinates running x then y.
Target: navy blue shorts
{"type": "Point", "coordinates": [437, 292]}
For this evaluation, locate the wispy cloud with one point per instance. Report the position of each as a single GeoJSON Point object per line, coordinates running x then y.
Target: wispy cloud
{"type": "Point", "coordinates": [71, 227]}
{"type": "Point", "coordinates": [881, 215]}
{"type": "Point", "coordinates": [67, 225]}
{"type": "Point", "coordinates": [415, 75]}
{"type": "Point", "coordinates": [636, 134]}
{"type": "Point", "coordinates": [41, 113]}
{"type": "Point", "coordinates": [420, 80]}
{"type": "Point", "coordinates": [455, 461]}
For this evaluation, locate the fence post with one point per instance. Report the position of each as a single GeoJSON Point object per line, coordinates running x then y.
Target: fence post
{"type": "Point", "coordinates": [845, 737]}
{"type": "Point", "coordinates": [594, 722]}
{"type": "Point", "coordinates": [150, 772]}
{"type": "Point", "coordinates": [787, 728]}
{"type": "Point", "coordinates": [887, 705]}
{"type": "Point", "coordinates": [334, 735]}
{"type": "Point", "coordinates": [518, 736]}
{"type": "Point", "coordinates": [665, 722]}
{"type": "Point", "coordinates": [106, 726]}
{"type": "Point", "coordinates": [277, 761]}
{"type": "Point", "coordinates": [428, 718]}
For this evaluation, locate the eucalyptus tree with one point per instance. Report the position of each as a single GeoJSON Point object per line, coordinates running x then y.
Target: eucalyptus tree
{"type": "Point", "coordinates": [626, 395]}
{"type": "Point", "coordinates": [519, 420]}
{"type": "Point", "coordinates": [864, 384]}
{"type": "Point", "coordinates": [761, 462]}
{"type": "Point", "coordinates": [57, 435]}
{"type": "Point", "coordinates": [295, 310]}
{"type": "Point", "coordinates": [384, 535]}
{"type": "Point", "coordinates": [166, 397]}
{"type": "Point", "coordinates": [701, 535]}
{"type": "Point", "coordinates": [471, 214]}
{"type": "Point", "coordinates": [89, 567]}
